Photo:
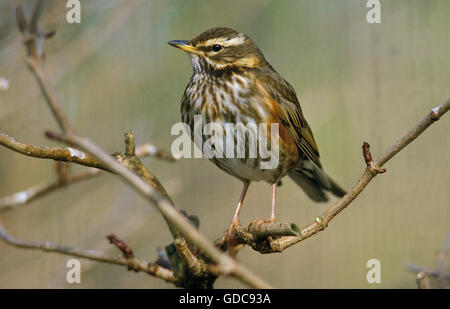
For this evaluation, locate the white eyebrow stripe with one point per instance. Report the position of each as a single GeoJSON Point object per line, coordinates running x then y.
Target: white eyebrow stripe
{"type": "Point", "coordinates": [226, 42]}
{"type": "Point", "coordinates": [235, 41]}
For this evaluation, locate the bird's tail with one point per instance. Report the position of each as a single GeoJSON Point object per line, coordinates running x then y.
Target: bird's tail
{"type": "Point", "coordinates": [315, 183]}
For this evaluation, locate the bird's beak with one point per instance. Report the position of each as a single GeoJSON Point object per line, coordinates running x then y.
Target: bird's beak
{"type": "Point", "coordinates": [184, 45]}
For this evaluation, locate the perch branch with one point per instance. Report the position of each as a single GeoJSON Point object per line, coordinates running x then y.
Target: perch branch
{"type": "Point", "coordinates": [374, 167]}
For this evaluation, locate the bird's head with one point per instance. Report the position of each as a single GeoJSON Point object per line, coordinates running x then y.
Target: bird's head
{"type": "Point", "coordinates": [221, 48]}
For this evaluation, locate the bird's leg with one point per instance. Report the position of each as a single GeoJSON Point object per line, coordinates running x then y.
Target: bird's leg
{"type": "Point", "coordinates": [235, 221]}
{"type": "Point", "coordinates": [272, 213]}
{"type": "Point", "coordinates": [274, 193]}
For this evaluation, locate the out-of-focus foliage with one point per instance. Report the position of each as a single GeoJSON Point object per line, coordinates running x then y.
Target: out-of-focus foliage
{"type": "Point", "coordinates": [356, 81]}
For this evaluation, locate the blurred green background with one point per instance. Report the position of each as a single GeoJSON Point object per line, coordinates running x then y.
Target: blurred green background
{"type": "Point", "coordinates": [356, 82]}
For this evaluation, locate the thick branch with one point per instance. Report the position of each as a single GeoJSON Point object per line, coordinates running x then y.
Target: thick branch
{"type": "Point", "coordinates": [66, 154]}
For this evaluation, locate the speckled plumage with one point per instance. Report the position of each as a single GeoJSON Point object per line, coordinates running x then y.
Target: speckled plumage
{"type": "Point", "coordinates": [236, 84]}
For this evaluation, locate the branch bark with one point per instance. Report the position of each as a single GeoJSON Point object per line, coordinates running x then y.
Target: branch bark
{"type": "Point", "coordinates": [132, 263]}
{"type": "Point", "coordinates": [23, 197]}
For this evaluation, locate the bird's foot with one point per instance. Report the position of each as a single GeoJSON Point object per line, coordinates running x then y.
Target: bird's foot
{"type": "Point", "coordinates": [263, 221]}
{"type": "Point", "coordinates": [229, 241]}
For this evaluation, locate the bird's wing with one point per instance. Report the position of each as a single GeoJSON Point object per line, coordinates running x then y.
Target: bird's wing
{"type": "Point", "coordinates": [291, 115]}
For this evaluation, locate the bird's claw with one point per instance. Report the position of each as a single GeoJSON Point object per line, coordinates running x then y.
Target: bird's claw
{"type": "Point", "coordinates": [228, 240]}
{"type": "Point", "coordinates": [263, 221]}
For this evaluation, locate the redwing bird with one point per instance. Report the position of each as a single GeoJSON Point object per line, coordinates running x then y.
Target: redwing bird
{"type": "Point", "coordinates": [232, 82]}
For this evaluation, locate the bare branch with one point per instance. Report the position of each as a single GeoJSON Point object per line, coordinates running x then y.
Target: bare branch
{"type": "Point", "coordinates": [195, 265]}
{"type": "Point", "coordinates": [67, 154]}
{"type": "Point", "coordinates": [21, 198]}
{"type": "Point", "coordinates": [21, 20]}
{"type": "Point", "coordinates": [151, 150]}
{"type": "Point", "coordinates": [278, 244]}
{"type": "Point", "coordinates": [259, 235]}
{"type": "Point", "coordinates": [278, 229]}
{"type": "Point", "coordinates": [129, 144]}
{"type": "Point", "coordinates": [35, 66]}
{"type": "Point", "coordinates": [132, 263]}
{"type": "Point", "coordinates": [35, 14]}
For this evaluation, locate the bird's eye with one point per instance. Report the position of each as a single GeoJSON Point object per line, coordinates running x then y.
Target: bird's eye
{"type": "Point", "coordinates": [216, 47]}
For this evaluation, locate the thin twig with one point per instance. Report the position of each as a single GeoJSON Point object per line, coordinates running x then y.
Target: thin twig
{"type": "Point", "coordinates": [35, 14]}
{"type": "Point", "coordinates": [129, 144]}
{"type": "Point", "coordinates": [35, 66]}
{"type": "Point", "coordinates": [152, 151]}
{"type": "Point", "coordinates": [70, 154]}
{"type": "Point", "coordinates": [22, 198]}
{"type": "Point", "coordinates": [132, 263]}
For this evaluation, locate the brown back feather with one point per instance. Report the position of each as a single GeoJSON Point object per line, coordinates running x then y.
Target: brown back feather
{"type": "Point", "coordinates": [291, 113]}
